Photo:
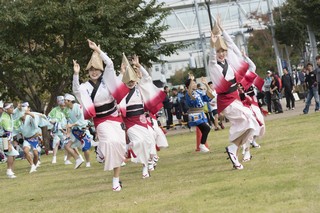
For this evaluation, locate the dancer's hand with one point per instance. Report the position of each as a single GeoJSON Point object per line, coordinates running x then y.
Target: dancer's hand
{"type": "Point", "coordinates": [76, 67]}
{"type": "Point", "coordinates": [94, 46]}
{"type": "Point", "coordinates": [135, 61]}
{"type": "Point", "coordinates": [204, 80]}
{"type": "Point", "coordinates": [218, 19]}
{"type": "Point", "coordinates": [213, 40]}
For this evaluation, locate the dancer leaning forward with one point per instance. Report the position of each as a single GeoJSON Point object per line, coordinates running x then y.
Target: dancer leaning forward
{"type": "Point", "coordinates": [143, 97]}
{"type": "Point", "coordinates": [99, 97]}
{"type": "Point", "coordinates": [227, 68]}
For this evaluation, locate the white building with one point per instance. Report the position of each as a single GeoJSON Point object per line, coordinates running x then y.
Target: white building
{"type": "Point", "coordinates": [237, 17]}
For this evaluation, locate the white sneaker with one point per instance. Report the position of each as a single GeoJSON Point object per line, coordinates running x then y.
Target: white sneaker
{"type": "Point", "coordinates": [79, 161]}
{"type": "Point", "coordinates": [10, 172]}
{"type": "Point", "coordinates": [38, 164]}
{"type": "Point", "coordinates": [11, 176]}
{"type": "Point", "coordinates": [255, 145]}
{"type": "Point", "coordinates": [88, 164]}
{"type": "Point", "coordinates": [67, 162]}
{"type": "Point", "coordinates": [80, 156]}
{"type": "Point", "coordinates": [99, 156]}
{"type": "Point", "coordinates": [33, 168]}
{"type": "Point", "coordinates": [247, 156]}
{"type": "Point", "coordinates": [233, 157]}
{"type": "Point", "coordinates": [145, 172]}
{"type": "Point", "coordinates": [117, 189]}
{"type": "Point", "coordinates": [203, 148]}
{"type": "Point", "coordinates": [123, 164]}
{"type": "Point", "coordinates": [150, 166]}
{"type": "Point", "coordinates": [54, 160]}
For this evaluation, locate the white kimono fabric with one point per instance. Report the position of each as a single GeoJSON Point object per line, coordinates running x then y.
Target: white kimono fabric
{"type": "Point", "coordinates": [241, 118]}
{"type": "Point", "coordinates": [112, 142]}
{"type": "Point", "coordinates": [160, 137]}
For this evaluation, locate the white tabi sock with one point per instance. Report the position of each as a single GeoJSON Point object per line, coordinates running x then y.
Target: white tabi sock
{"type": "Point", "coordinates": [233, 148]}
{"type": "Point", "coordinates": [115, 182]}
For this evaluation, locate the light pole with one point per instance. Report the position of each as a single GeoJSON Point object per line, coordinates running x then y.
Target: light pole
{"type": "Point", "coordinates": [275, 45]}
{"type": "Point", "coordinates": [202, 38]}
{"type": "Point", "coordinates": [209, 12]}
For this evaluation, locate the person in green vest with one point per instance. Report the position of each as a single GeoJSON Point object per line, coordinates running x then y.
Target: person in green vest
{"type": "Point", "coordinates": [6, 128]}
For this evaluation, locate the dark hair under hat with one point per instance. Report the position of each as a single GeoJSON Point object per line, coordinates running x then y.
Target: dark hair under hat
{"type": "Point", "coordinates": [188, 82]}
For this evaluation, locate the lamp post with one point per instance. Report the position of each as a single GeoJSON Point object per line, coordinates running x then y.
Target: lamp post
{"type": "Point", "coordinates": [202, 38]}
{"type": "Point", "coordinates": [209, 12]}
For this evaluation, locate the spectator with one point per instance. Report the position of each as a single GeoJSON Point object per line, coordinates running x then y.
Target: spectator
{"type": "Point", "coordinates": [183, 105]}
{"type": "Point", "coordinates": [266, 87]}
{"type": "Point", "coordinates": [167, 106]}
{"type": "Point", "coordinates": [317, 71]}
{"type": "Point", "coordinates": [275, 95]}
{"type": "Point", "coordinates": [312, 85]}
{"type": "Point", "coordinates": [288, 86]}
{"type": "Point", "coordinates": [176, 110]}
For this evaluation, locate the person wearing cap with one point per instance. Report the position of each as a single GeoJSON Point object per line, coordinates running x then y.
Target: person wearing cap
{"type": "Point", "coordinates": [6, 128]}
{"type": "Point", "coordinates": [266, 88]}
{"type": "Point", "coordinates": [144, 98]}
{"type": "Point", "coordinates": [58, 118]}
{"type": "Point", "coordinates": [29, 128]}
{"type": "Point", "coordinates": [79, 135]}
{"type": "Point", "coordinates": [99, 97]}
{"type": "Point", "coordinates": [227, 68]}
{"type": "Point", "coordinates": [196, 100]}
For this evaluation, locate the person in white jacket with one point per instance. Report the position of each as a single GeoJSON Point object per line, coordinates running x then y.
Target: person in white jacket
{"type": "Point", "coordinates": [227, 68]}
{"type": "Point", "coordinates": [99, 97]}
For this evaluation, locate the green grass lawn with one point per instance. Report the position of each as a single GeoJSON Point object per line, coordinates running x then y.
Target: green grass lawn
{"type": "Point", "coordinates": [283, 176]}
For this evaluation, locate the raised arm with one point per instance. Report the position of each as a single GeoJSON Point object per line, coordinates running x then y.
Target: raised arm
{"type": "Point", "coordinates": [252, 66]}
{"type": "Point", "coordinates": [75, 81]}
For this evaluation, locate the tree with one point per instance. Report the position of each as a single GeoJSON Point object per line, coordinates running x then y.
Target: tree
{"type": "Point", "coordinates": [291, 24]}
{"type": "Point", "coordinates": [261, 52]}
{"type": "Point", "coordinates": [39, 39]}
{"type": "Point", "coordinates": [181, 76]}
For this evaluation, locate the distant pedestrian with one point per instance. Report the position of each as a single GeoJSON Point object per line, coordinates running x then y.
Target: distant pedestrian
{"type": "Point", "coordinates": [288, 87]}
{"type": "Point", "coordinates": [312, 86]}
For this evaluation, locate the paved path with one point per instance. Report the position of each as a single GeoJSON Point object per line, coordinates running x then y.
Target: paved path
{"type": "Point", "coordinates": [299, 105]}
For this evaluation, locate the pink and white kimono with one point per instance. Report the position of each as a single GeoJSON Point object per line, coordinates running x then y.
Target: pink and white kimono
{"type": "Point", "coordinates": [103, 108]}
{"type": "Point", "coordinates": [225, 83]}
{"type": "Point", "coordinates": [145, 96]}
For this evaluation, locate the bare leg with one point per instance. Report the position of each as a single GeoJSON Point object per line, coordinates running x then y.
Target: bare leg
{"type": "Point", "coordinates": [27, 154]}
{"type": "Point", "coordinates": [10, 161]}
{"type": "Point", "coordinates": [71, 151]}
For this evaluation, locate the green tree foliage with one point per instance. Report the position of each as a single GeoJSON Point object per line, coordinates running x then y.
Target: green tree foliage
{"type": "Point", "coordinates": [181, 76]}
{"type": "Point", "coordinates": [39, 39]}
{"type": "Point", "coordinates": [291, 24]}
{"type": "Point", "coordinates": [261, 52]}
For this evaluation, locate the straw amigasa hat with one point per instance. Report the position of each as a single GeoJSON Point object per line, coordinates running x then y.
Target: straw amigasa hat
{"type": "Point", "coordinates": [220, 44]}
{"type": "Point", "coordinates": [215, 30]}
{"type": "Point", "coordinates": [95, 62]}
{"type": "Point", "coordinates": [130, 74]}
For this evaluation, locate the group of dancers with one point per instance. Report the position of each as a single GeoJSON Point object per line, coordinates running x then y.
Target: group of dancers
{"type": "Point", "coordinates": [123, 110]}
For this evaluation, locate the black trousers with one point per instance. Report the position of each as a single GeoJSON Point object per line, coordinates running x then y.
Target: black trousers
{"type": "Point", "coordinates": [205, 129]}
{"type": "Point", "coordinates": [168, 117]}
{"type": "Point", "coordinates": [289, 99]}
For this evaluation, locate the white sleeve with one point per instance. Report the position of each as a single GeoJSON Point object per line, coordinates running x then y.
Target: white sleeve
{"type": "Point", "coordinates": [252, 66]}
